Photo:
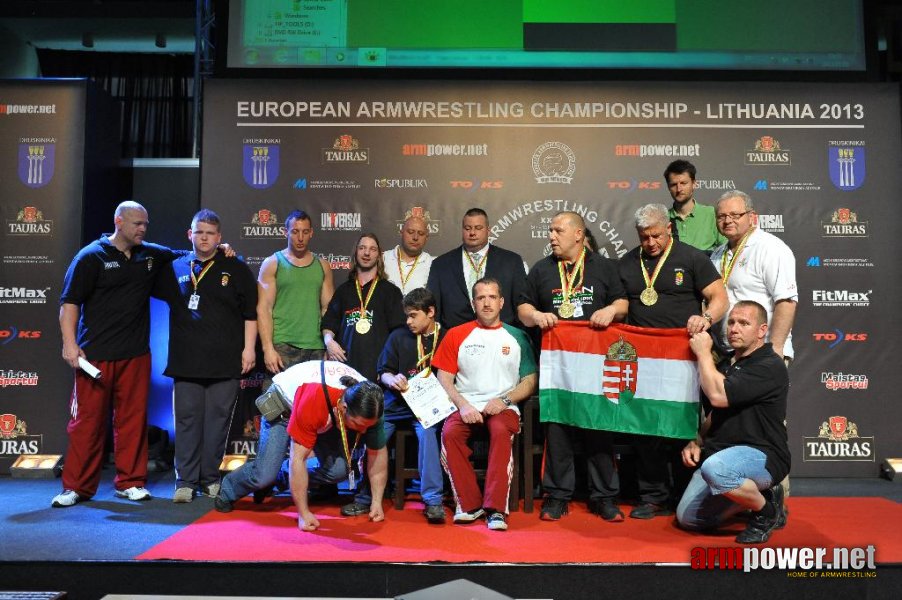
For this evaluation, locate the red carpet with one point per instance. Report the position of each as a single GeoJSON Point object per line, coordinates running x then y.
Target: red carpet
{"type": "Point", "coordinates": [269, 533]}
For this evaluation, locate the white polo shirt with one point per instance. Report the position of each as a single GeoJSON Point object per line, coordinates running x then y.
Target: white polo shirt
{"type": "Point", "coordinates": [415, 272]}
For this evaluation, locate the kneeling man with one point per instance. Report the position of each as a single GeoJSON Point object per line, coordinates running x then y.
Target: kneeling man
{"type": "Point", "coordinates": [743, 450]}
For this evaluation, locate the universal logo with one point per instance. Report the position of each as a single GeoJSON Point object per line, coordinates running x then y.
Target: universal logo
{"type": "Point", "coordinates": [340, 221]}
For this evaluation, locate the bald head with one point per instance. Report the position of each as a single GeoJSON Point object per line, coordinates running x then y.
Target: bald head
{"type": "Point", "coordinates": [414, 234]}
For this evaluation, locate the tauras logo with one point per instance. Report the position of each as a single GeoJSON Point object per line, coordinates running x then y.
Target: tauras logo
{"type": "Point", "coordinates": [767, 151]}
{"type": "Point", "coordinates": [844, 381]}
{"type": "Point", "coordinates": [838, 440]}
{"type": "Point", "coordinates": [14, 438]}
{"type": "Point", "coordinates": [840, 298]}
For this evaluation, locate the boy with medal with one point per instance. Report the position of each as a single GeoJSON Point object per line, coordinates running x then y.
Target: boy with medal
{"type": "Point", "coordinates": [408, 353]}
{"type": "Point", "coordinates": [574, 283]}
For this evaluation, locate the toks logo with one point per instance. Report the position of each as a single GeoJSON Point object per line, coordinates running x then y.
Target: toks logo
{"type": "Point", "coordinates": [838, 440]}
{"type": "Point", "coordinates": [12, 333]}
{"type": "Point", "coordinates": [837, 337]}
{"type": "Point", "coordinates": [631, 185]}
{"type": "Point", "coordinates": [475, 184]}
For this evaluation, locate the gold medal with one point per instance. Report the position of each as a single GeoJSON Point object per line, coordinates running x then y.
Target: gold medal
{"type": "Point", "coordinates": [363, 326]}
{"type": "Point", "coordinates": [566, 310]}
{"type": "Point", "coordinates": [648, 296]}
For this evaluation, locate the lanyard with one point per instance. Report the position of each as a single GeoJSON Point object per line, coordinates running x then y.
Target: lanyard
{"type": "Point", "coordinates": [477, 268]}
{"type": "Point", "coordinates": [369, 295]}
{"type": "Point", "coordinates": [404, 280]}
{"type": "Point", "coordinates": [650, 282]}
{"type": "Point", "coordinates": [341, 424]}
{"type": "Point", "coordinates": [726, 269]}
{"type": "Point", "coordinates": [196, 280]}
{"type": "Point", "coordinates": [567, 286]}
{"type": "Point", "coordinates": [422, 357]}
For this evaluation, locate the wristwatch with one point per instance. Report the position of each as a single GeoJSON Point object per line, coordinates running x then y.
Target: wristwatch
{"type": "Point", "coordinates": [506, 399]}
{"type": "Point", "coordinates": [708, 318]}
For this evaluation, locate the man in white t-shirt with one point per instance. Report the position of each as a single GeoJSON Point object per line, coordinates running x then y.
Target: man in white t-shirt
{"type": "Point", "coordinates": [757, 265]}
{"type": "Point", "coordinates": [407, 264]}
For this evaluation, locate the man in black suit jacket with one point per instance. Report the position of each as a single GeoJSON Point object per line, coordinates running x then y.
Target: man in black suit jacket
{"type": "Point", "coordinates": [452, 274]}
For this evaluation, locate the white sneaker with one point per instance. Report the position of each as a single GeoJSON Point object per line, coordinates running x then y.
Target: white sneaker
{"type": "Point", "coordinates": [66, 498]}
{"type": "Point", "coordinates": [183, 495]}
{"type": "Point", "coordinates": [138, 494]}
{"type": "Point", "coordinates": [468, 517]}
{"type": "Point", "coordinates": [212, 490]}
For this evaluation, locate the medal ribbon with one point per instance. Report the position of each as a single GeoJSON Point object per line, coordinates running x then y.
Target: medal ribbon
{"type": "Point", "coordinates": [369, 296]}
{"type": "Point", "coordinates": [650, 283]}
{"type": "Point", "coordinates": [422, 357]}
{"type": "Point", "coordinates": [567, 280]}
{"type": "Point", "coordinates": [726, 269]}
{"type": "Point", "coordinates": [196, 280]}
{"type": "Point", "coordinates": [404, 280]}
{"type": "Point", "coordinates": [344, 440]}
{"type": "Point", "coordinates": [476, 268]}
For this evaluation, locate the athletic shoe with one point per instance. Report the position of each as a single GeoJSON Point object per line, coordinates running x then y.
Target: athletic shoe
{"type": "Point", "coordinates": [777, 498]}
{"type": "Point", "coordinates": [221, 504]}
{"type": "Point", "coordinates": [758, 530]}
{"type": "Point", "coordinates": [650, 510]}
{"type": "Point", "coordinates": [435, 513]}
{"type": "Point", "coordinates": [355, 509]}
{"type": "Point", "coordinates": [138, 494]}
{"type": "Point", "coordinates": [183, 495]}
{"type": "Point", "coordinates": [66, 498]}
{"type": "Point", "coordinates": [606, 509]}
{"type": "Point", "coordinates": [496, 522]}
{"type": "Point", "coordinates": [211, 490]}
{"type": "Point", "coordinates": [468, 517]}
{"type": "Point", "coordinates": [553, 509]}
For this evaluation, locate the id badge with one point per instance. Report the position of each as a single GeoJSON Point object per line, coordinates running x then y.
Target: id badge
{"type": "Point", "coordinates": [193, 302]}
{"type": "Point", "coordinates": [352, 480]}
{"type": "Point", "coordinates": [577, 310]}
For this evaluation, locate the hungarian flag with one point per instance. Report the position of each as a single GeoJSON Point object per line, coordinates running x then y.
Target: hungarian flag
{"type": "Point", "coordinates": [623, 378]}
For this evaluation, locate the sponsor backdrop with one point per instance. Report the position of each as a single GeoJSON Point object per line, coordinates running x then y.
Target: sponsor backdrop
{"type": "Point", "coordinates": [820, 161]}
{"type": "Point", "coordinates": [42, 144]}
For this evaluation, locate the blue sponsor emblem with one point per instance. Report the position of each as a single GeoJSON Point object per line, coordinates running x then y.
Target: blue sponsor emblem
{"type": "Point", "coordinates": [36, 164]}
{"type": "Point", "coordinates": [846, 166]}
{"type": "Point", "coordinates": [260, 165]}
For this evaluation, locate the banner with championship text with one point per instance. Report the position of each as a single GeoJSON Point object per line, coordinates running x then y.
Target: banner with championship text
{"type": "Point", "coordinates": [622, 378]}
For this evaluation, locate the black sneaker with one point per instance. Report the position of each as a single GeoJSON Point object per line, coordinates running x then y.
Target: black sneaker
{"type": "Point", "coordinates": [606, 509]}
{"type": "Point", "coordinates": [553, 509]}
{"type": "Point", "coordinates": [261, 495]}
{"type": "Point", "coordinates": [496, 521]}
{"type": "Point", "coordinates": [221, 504]}
{"type": "Point", "coordinates": [435, 513]}
{"type": "Point", "coordinates": [650, 510]}
{"type": "Point", "coordinates": [758, 530]}
{"type": "Point", "coordinates": [355, 509]}
{"type": "Point", "coordinates": [776, 497]}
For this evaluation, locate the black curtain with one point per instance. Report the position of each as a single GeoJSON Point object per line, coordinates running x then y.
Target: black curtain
{"type": "Point", "coordinates": [156, 91]}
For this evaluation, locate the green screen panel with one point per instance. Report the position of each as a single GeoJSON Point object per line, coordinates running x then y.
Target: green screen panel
{"type": "Point", "coordinates": [435, 24]}
{"type": "Point", "coordinates": [600, 11]}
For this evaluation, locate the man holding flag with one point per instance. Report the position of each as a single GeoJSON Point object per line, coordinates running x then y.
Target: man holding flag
{"type": "Point", "coordinates": [573, 284]}
{"type": "Point", "coordinates": [669, 284]}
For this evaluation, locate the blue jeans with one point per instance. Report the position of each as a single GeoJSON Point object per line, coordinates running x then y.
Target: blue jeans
{"type": "Point", "coordinates": [703, 505]}
{"type": "Point", "coordinates": [428, 463]}
{"type": "Point", "coordinates": [271, 467]}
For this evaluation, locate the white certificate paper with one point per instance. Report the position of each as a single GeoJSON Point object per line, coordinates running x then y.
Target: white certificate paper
{"type": "Point", "coordinates": [427, 399]}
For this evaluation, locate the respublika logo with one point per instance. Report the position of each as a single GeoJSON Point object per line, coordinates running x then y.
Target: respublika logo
{"type": "Point", "coordinates": [346, 149]}
{"type": "Point", "coordinates": [264, 225]}
{"type": "Point", "coordinates": [554, 162]}
{"type": "Point", "coordinates": [386, 183]}
{"type": "Point", "coordinates": [844, 381]}
{"type": "Point", "coordinates": [768, 152]}
{"type": "Point", "coordinates": [837, 336]}
{"type": "Point", "coordinates": [23, 295]}
{"type": "Point", "coordinates": [14, 438]}
{"type": "Point", "coordinates": [36, 161]}
{"type": "Point", "coordinates": [12, 333]}
{"type": "Point", "coordinates": [846, 164]}
{"type": "Point", "coordinates": [844, 223]}
{"type": "Point", "coordinates": [340, 221]}
{"type": "Point", "coordinates": [840, 298]}
{"type": "Point", "coordinates": [260, 166]}
{"type": "Point", "coordinates": [771, 223]}
{"type": "Point", "coordinates": [644, 150]}
{"type": "Point", "coordinates": [838, 440]}
{"type": "Point", "coordinates": [715, 184]}
{"type": "Point", "coordinates": [29, 222]}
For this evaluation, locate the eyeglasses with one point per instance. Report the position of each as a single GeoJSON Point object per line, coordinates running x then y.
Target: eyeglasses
{"type": "Point", "coordinates": [731, 216]}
